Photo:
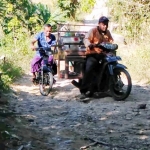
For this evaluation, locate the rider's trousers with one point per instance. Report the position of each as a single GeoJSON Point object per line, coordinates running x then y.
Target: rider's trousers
{"type": "Point", "coordinates": [37, 61]}
{"type": "Point", "coordinates": [88, 78]}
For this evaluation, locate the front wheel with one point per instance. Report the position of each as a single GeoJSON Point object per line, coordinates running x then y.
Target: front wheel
{"type": "Point", "coordinates": [120, 84]}
{"type": "Point", "coordinates": [46, 83]}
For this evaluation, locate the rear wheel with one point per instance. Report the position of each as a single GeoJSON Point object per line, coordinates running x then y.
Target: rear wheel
{"type": "Point", "coordinates": [46, 83]}
{"type": "Point", "coordinates": [120, 84]}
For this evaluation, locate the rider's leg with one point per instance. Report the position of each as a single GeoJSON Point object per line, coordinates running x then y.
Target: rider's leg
{"type": "Point", "coordinates": [91, 63]}
{"type": "Point", "coordinates": [35, 65]}
{"type": "Point", "coordinates": [34, 76]}
{"type": "Point", "coordinates": [51, 62]}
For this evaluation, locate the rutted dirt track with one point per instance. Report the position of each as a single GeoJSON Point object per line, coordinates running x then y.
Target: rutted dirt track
{"type": "Point", "coordinates": [61, 122]}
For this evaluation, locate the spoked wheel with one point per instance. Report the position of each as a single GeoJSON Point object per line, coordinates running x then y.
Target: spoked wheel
{"type": "Point", "coordinates": [46, 83]}
{"type": "Point", "coordinates": [120, 84]}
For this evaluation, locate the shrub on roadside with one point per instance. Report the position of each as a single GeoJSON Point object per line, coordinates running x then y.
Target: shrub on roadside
{"type": "Point", "coordinates": [137, 59]}
{"type": "Point", "coordinates": [18, 57]}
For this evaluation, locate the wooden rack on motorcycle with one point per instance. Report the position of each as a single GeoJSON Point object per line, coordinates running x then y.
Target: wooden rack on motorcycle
{"type": "Point", "coordinates": [70, 48]}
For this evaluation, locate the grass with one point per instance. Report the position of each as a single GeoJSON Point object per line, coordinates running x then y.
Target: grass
{"type": "Point", "coordinates": [137, 60]}
{"type": "Point", "coordinates": [10, 73]}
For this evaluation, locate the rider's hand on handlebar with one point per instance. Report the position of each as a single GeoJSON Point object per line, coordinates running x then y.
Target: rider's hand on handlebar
{"type": "Point", "coordinates": [91, 46]}
{"type": "Point", "coordinates": [33, 48]}
{"type": "Point", "coordinates": [99, 51]}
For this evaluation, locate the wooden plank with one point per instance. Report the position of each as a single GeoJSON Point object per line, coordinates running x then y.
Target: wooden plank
{"type": "Point", "coordinates": [78, 58]}
{"type": "Point", "coordinates": [74, 53]}
{"type": "Point", "coordinates": [67, 24]}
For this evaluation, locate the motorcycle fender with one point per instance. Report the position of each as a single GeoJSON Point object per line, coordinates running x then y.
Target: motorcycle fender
{"type": "Point", "coordinates": [111, 67]}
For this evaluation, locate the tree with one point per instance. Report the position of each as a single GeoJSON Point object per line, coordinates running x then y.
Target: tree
{"type": "Point", "coordinates": [133, 17]}
{"type": "Point", "coordinates": [69, 7]}
{"type": "Point", "coordinates": [24, 14]}
{"type": "Point", "coordinates": [2, 8]}
{"type": "Point", "coordinates": [87, 5]}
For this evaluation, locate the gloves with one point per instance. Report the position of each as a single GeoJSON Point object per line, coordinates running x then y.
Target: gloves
{"type": "Point", "coordinates": [91, 46]}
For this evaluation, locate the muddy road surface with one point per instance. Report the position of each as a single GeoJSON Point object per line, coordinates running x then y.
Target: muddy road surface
{"type": "Point", "coordinates": [61, 121]}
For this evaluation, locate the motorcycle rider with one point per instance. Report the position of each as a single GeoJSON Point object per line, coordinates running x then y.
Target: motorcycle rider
{"type": "Point", "coordinates": [43, 39]}
{"type": "Point", "coordinates": [96, 35]}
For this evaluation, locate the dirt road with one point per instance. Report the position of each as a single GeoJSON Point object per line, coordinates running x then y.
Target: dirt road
{"type": "Point", "coordinates": [61, 122]}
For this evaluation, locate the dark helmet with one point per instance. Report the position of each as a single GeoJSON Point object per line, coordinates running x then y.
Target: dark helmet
{"type": "Point", "coordinates": [103, 19]}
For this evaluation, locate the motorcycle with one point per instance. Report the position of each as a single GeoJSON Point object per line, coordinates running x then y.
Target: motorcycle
{"type": "Point", "coordinates": [110, 76]}
{"type": "Point", "coordinates": [44, 76]}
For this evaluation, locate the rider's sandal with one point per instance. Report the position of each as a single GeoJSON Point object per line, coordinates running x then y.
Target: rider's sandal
{"type": "Point", "coordinates": [33, 80]}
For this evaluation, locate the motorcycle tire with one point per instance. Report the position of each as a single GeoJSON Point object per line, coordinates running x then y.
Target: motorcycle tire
{"type": "Point", "coordinates": [119, 88]}
{"type": "Point", "coordinates": [46, 83]}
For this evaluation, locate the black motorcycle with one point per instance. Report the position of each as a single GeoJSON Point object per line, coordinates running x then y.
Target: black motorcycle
{"type": "Point", "coordinates": [111, 76]}
{"type": "Point", "coordinates": [44, 76]}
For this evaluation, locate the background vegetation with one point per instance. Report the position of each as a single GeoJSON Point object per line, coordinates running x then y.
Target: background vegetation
{"type": "Point", "coordinates": [133, 18]}
{"type": "Point", "coordinates": [20, 20]}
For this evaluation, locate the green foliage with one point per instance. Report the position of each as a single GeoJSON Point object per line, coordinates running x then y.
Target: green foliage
{"type": "Point", "coordinates": [2, 8]}
{"type": "Point", "coordinates": [72, 9]}
{"type": "Point", "coordinates": [133, 17]}
{"type": "Point", "coordinates": [87, 5]}
{"type": "Point", "coordinates": [43, 12]}
{"type": "Point", "coordinates": [11, 72]}
{"type": "Point", "coordinates": [18, 57]}
{"type": "Point", "coordinates": [24, 14]}
{"type": "Point", "coordinates": [68, 7]}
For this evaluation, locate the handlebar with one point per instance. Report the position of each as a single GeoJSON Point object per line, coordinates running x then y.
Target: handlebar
{"type": "Point", "coordinates": [43, 48]}
{"type": "Point", "coordinates": [107, 46]}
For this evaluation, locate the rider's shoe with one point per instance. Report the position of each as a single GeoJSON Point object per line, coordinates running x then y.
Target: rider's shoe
{"type": "Point", "coordinates": [89, 94]}
{"type": "Point", "coordinates": [83, 96]}
{"type": "Point", "coordinates": [75, 83]}
{"type": "Point", "coordinates": [54, 81]}
{"type": "Point", "coordinates": [108, 93]}
{"type": "Point", "coordinates": [33, 79]}
{"type": "Point", "coordinates": [86, 95]}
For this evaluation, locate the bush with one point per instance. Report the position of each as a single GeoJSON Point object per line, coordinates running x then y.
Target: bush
{"type": "Point", "coordinates": [10, 73]}
{"type": "Point", "coordinates": [18, 57]}
{"type": "Point", "coordinates": [137, 60]}
{"type": "Point", "coordinates": [133, 18]}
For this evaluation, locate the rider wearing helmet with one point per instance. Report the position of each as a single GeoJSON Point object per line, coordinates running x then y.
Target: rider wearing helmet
{"type": "Point", "coordinates": [96, 35]}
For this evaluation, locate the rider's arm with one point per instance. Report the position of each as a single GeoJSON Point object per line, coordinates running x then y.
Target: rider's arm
{"type": "Point", "coordinates": [88, 38]}
{"type": "Point", "coordinates": [33, 41]}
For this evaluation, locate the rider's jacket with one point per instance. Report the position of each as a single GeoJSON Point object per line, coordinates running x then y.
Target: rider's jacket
{"type": "Point", "coordinates": [41, 40]}
{"type": "Point", "coordinates": [94, 36]}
